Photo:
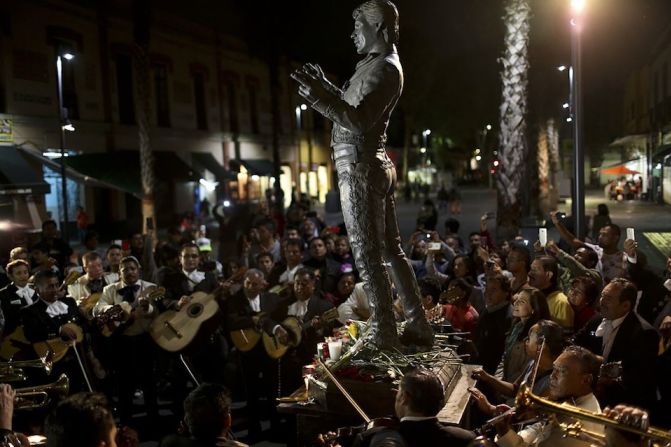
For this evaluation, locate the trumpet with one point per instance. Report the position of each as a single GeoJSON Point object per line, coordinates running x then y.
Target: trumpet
{"type": "Point", "coordinates": [40, 396]}
{"type": "Point", "coordinates": [13, 371]}
{"type": "Point", "coordinates": [525, 399]}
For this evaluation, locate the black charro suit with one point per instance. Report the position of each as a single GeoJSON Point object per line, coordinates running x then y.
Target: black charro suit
{"type": "Point", "coordinates": [176, 286]}
{"type": "Point", "coordinates": [11, 304]}
{"type": "Point", "coordinates": [636, 345]}
{"type": "Point", "coordinates": [39, 326]}
{"type": "Point", "coordinates": [308, 348]}
{"type": "Point", "coordinates": [239, 315]}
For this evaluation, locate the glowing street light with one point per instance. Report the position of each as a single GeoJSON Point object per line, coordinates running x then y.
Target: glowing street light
{"type": "Point", "coordinates": [488, 127]}
{"type": "Point", "coordinates": [66, 125]}
{"type": "Point", "coordinates": [561, 67]}
{"type": "Point", "coordinates": [578, 6]}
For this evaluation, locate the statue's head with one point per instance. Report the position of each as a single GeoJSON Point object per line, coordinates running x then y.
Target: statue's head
{"type": "Point", "coordinates": [375, 23]}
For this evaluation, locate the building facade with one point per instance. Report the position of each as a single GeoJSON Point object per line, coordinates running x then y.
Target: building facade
{"type": "Point", "coordinates": [211, 118]}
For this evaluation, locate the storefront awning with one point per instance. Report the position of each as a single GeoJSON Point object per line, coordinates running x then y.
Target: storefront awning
{"type": "Point", "coordinates": [122, 168]}
{"type": "Point", "coordinates": [262, 167]}
{"type": "Point", "coordinates": [206, 160]}
{"type": "Point", "coordinates": [17, 176]}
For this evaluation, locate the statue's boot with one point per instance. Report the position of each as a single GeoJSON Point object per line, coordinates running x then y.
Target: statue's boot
{"type": "Point", "coordinates": [384, 335]}
{"type": "Point", "coordinates": [418, 332]}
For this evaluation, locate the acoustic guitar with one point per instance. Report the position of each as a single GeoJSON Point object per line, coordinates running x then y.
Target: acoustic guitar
{"type": "Point", "coordinates": [174, 330]}
{"type": "Point", "coordinates": [116, 317]}
{"type": "Point", "coordinates": [57, 345]}
{"type": "Point", "coordinates": [16, 344]}
{"type": "Point", "coordinates": [276, 349]}
{"type": "Point", "coordinates": [245, 340]}
{"type": "Point", "coordinates": [87, 304]}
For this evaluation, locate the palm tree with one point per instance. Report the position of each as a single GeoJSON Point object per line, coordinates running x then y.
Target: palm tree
{"type": "Point", "coordinates": [513, 144]}
{"type": "Point", "coordinates": [141, 34]}
{"type": "Point", "coordinates": [544, 185]}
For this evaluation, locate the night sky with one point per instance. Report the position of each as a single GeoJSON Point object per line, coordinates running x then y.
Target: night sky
{"type": "Point", "coordinates": [449, 50]}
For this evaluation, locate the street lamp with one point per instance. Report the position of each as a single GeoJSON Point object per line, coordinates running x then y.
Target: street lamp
{"type": "Point", "coordinates": [65, 125]}
{"type": "Point", "coordinates": [299, 120]}
{"type": "Point", "coordinates": [578, 206]}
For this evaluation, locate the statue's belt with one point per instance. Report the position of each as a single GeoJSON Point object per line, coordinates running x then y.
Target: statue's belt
{"type": "Point", "coordinates": [354, 153]}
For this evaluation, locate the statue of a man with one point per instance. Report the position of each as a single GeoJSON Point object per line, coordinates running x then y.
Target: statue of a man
{"type": "Point", "coordinates": [366, 176]}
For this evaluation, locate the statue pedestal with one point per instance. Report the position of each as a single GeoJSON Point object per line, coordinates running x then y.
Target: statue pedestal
{"type": "Point", "coordinates": [328, 409]}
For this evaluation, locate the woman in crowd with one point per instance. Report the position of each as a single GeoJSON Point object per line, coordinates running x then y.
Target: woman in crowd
{"type": "Point", "coordinates": [529, 307]}
{"type": "Point", "coordinates": [582, 295]}
{"type": "Point", "coordinates": [544, 343]}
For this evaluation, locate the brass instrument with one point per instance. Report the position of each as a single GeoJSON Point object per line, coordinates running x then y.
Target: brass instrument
{"type": "Point", "coordinates": [525, 399]}
{"type": "Point", "coordinates": [39, 396]}
{"type": "Point", "coordinates": [13, 371]}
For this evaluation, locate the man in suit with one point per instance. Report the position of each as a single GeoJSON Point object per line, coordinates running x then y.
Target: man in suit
{"type": "Point", "coordinates": [17, 295]}
{"type": "Point", "coordinates": [133, 350]}
{"type": "Point", "coordinates": [208, 352]}
{"type": "Point", "coordinates": [180, 284]}
{"type": "Point", "coordinates": [46, 319]}
{"type": "Point", "coordinates": [419, 398]}
{"type": "Point", "coordinates": [621, 335]}
{"type": "Point", "coordinates": [253, 308]}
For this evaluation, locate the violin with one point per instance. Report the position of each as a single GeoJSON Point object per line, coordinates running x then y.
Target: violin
{"type": "Point", "coordinates": [347, 434]}
{"type": "Point", "coordinates": [351, 432]}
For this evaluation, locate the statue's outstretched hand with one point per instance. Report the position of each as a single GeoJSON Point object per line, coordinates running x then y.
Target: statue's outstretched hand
{"type": "Point", "coordinates": [310, 87]}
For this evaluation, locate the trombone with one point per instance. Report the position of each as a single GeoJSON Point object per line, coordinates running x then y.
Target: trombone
{"type": "Point", "coordinates": [525, 399]}
{"type": "Point", "coordinates": [13, 371]}
{"type": "Point", "coordinates": [40, 396]}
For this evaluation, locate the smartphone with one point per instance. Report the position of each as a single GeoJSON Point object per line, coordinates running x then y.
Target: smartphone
{"type": "Point", "coordinates": [434, 246]}
{"type": "Point", "coordinates": [630, 234]}
{"type": "Point", "coordinates": [543, 236]}
{"type": "Point", "coordinates": [150, 223]}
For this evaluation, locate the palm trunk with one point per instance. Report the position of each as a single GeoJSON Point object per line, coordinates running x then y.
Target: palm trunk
{"type": "Point", "coordinates": [543, 171]}
{"type": "Point", "coordinates": [142, 19]}
{"type": "Point", "coordinates": [553, 147]}
{"type": "Point", "coordinates": [513, 144]}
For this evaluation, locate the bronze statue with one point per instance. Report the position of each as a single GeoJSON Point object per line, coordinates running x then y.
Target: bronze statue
{"type": "Point", "coordinates": [366, 176]}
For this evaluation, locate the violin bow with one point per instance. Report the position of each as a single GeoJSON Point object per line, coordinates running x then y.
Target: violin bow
{"type": "Point", "coordinates": [342, 389]}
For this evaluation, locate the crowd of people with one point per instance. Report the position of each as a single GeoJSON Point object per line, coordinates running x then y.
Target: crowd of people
{"type": "Point", "coordinates": [585, 322]}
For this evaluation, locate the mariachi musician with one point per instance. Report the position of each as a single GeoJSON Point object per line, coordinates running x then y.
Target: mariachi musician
{"type": "Point", "coordinates": [83, 290]}
{"type": "Point", "coordinates": [49, 317]}
{"type": "Point", "coordinates": [254, 309]}
{"type": "Point", "coordinates": [132, 350]}
{"type": "Point", "coordinates": [208, 355]}
{"type": "Point", "coordinates": [95, 279]}
{"type": "Point", "coordinates": [17, 295]}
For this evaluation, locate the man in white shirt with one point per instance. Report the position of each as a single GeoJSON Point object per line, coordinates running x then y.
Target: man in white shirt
{"type": "Point", "coordinates": [95, 279]}
{"type": "Point", "coordinates": [619, 334]}
{"type": "Point", "coordinates": [133, 350]}
{"type": "Point", "coordinates": [293, 254]}
{"type": "Point", "coordinates": [574, 374]}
